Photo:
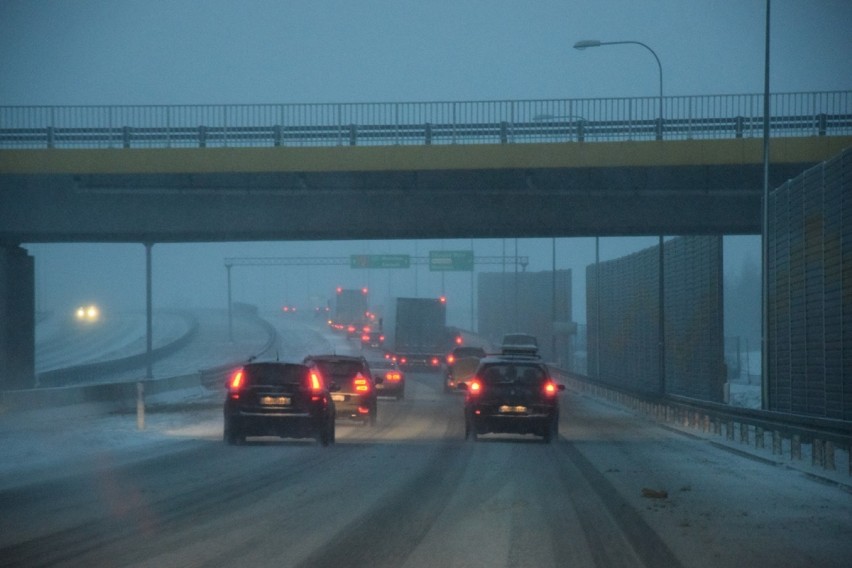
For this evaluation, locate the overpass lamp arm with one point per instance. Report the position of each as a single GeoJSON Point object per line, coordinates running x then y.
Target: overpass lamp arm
{"type": "Point", "coordinates": [583, 44]}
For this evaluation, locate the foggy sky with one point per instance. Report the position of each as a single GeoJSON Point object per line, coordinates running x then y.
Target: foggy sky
{"type": "Point", "coordinates": [285, 51]}
{"type": "Point", "coordinates": [116, 52]}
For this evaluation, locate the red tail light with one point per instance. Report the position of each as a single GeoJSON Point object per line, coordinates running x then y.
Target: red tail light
{"type": "Point", "coordinates": [316, 382]}
{"type": "Point", "coordinates": [235, 384]}
{"type": "Point", "coordinates": [403, 361]}
{"type": "Point", "coordinates": [316, 386]}
{"type": "Point", "coordinates": [365, 338]}
{"type": "Point", "coordinates": [361, 384]}
{"type": "Point", "coordinates": [393, 376]}
{"type": "Point", "coordinates": [435, 361]}
{"type": "Point", "coordinates": [550, 388]}
{"type": "Point", "coordinates": [474, 387]}
{"type": "Point", "coordinates": [459, 340]}
{"type": "Point", "coordinates": [451, 358]}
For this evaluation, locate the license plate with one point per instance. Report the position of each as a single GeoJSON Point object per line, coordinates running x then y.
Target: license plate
{"type": "Point", "coordinates": [275, 400]}
{"type": "Point", "coordinates": [507, 409]}
{"type": "Point", "coordinates": [338, 397]}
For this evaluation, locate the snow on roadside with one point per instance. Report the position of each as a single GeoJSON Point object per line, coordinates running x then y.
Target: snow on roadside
{"type": "Point", "coordinates": [40, 444]}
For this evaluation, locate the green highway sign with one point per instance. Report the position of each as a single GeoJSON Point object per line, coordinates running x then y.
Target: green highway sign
{"type": "Point", "coordinates": [441, 260]}
{"type": "Point", "coordinates": [380, 261]}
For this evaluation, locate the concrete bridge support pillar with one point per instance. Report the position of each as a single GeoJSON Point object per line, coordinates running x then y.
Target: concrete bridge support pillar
{"type": "Point", "coordinates": [17, 318]}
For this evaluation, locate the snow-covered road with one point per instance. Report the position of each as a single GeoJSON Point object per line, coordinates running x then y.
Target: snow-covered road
{"type": "Point", "coordinates": [615, 490]}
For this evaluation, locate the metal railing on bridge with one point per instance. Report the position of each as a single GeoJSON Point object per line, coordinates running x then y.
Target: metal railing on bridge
{"type": "Point", "coordinates": [423, 123]}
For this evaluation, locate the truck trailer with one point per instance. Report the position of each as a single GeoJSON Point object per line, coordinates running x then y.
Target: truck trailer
{"type": "Point", "coordinates": [350, 310]}
{"type": "Point", "coordinates": [416, 332]}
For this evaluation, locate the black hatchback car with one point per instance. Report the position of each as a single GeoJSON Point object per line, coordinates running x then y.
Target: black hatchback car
{"type": "Point", "coordinates": [355, 388]}
{"type": "Point", "coordinates": [289, 400]}
{"type": "Point", "coordinates": [512, 395]}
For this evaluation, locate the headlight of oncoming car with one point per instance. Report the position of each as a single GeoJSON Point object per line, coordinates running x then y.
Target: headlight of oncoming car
{"type": "Point", "coordinates": [89, 313]}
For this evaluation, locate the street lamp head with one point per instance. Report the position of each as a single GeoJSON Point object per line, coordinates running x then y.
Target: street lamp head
{"type": "Point", "coordinates": [587, 43]}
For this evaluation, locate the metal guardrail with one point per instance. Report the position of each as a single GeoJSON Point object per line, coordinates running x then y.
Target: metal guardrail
{"type": "Point", "coordinates": [785, 432]}
{"type": "Point", "coordinates": [424, 123]}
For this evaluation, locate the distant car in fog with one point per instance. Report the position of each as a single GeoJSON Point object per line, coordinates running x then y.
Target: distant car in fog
{"type": "Point", "coordinates": [374, 339]}
{"type": "Point", "coordinates": [461, 364]}
{"type": "Point", "coordinates": [88, 314]}
{"type": "Point", "coordinates": [353, 330]}
{"type": "Point", "coordinates": [355, 387]}
{"type": "Point", "coordinates": [392, 378]}
{"type": "Point", "coordinates": [288, 400]}
{"type": "Point", "coordinates": [512, 394]}
{"type": "Point", "coordinates": [519, 344]}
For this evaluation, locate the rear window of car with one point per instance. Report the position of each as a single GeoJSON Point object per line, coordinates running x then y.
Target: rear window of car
{"type": "Point", "coordinates": [275, 375]}
{"type": "Point", "coordinates": [517, 373]}
{"type": "Point", "coordinates": [340, 369]}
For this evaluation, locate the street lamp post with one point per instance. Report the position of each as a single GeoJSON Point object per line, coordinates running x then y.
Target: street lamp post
{"type": "Point", "coordinates": [581, 45]}
{"type": "Point", "coordinates": [764, 234]}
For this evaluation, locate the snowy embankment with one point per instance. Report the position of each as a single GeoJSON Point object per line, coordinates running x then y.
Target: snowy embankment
{"type": "Point", "coordinates": [110, 384]}
{"type": "Point", "coordinates": [64, 342]}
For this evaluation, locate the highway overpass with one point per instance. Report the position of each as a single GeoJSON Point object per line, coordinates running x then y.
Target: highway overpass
{"type": "Point", "coordinates": [427, 170]}
{"type": "Point", "coordinates": [479, 191]}
{"type": "Point", "coordinates": [551, 168]}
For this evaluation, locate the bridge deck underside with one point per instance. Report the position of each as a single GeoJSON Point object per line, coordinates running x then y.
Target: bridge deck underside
{"type": "Point", "coordinates": [649, 188]}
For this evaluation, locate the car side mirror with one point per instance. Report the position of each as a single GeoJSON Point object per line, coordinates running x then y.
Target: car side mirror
{"type": "Point", "coordinates": [560, 387]}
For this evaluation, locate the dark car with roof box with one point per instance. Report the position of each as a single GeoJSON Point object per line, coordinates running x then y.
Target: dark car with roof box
{"type": "Point", "coordinates": [512, 394]}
